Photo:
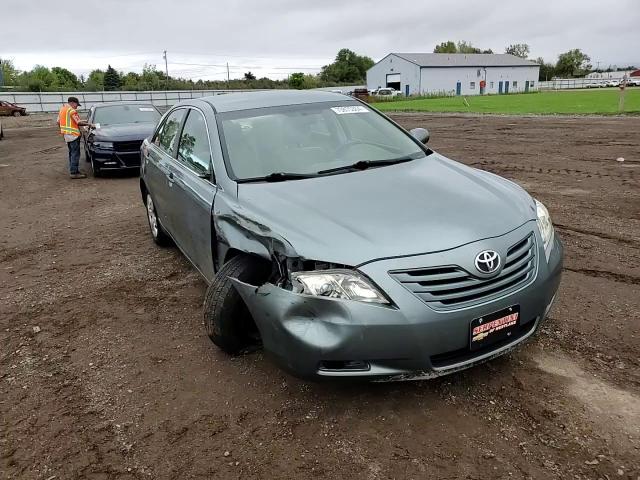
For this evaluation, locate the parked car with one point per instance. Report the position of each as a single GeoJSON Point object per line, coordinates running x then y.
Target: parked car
{"type": "Point", "coordinates": [360, 93]}
{"type": "Point", "coordinates": [386, 92]}
{"type": "Point", "coordinates": [598, 84]}
{"type": "Point", "coordinates": [8, 108]}
{"type": "Point", "coordinates": [614, 82]}
{"type": "Point", "coordinates": [633, 81]}
{"type": "Point", "coordinates": [343, 243]}
{"type": "Point", "coordinates": [114, 143]}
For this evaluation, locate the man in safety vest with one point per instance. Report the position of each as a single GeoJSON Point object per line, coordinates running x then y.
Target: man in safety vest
{"type": "Point", "coordinates": [70, 123]}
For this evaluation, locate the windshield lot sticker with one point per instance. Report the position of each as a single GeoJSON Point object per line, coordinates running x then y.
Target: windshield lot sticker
{"type": "Point", "coordinates": [354, 109]}
{"type": "Point", "coordinates": [146, 109]}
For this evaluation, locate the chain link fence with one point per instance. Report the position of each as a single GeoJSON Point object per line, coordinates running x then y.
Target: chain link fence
{"type": "Point", "coordinates": [50, 102]}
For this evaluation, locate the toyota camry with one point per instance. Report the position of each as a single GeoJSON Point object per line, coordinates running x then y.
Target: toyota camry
{"type": "Point", "coordinates": [341, 242]}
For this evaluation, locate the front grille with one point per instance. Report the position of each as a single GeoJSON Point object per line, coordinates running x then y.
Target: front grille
{"type": "Point", "coordinates": [133, 146]}
{"type": "Point", "coordinates": [447, 287]}
{"type": "Point", "coordinates": [129, 159]}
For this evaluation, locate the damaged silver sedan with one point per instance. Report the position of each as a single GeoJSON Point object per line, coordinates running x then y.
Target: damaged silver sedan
{"type": "Point", "coordinates": [341, 242]}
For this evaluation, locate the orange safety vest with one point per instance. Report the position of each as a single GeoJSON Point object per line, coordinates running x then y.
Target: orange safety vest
{"type": "Point", "coordinates": [68, 125]}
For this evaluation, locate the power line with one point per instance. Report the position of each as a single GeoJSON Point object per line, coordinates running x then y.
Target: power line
{"type": "Point", "coordinates": [244, 66]}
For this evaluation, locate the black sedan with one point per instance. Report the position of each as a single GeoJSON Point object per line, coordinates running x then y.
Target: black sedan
{"type": "Point", "coordinates": [113, 142]}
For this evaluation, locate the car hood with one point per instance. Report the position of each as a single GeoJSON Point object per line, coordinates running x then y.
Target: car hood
{"type": "Point", "coordinates": [418, 207]}
{"type": "Point", "coordinates": [123, 132]}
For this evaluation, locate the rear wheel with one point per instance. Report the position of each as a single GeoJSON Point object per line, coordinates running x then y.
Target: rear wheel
{"type": "Point", "coordinates": [227, 319]}
{"type": "Point", "coordinates": [157, 232]}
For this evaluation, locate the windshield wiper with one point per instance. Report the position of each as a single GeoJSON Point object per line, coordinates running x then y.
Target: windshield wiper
{"type": "Point", "coordinates": [364, 164]}
{"type": "Point", "coordinates": [278, 177]}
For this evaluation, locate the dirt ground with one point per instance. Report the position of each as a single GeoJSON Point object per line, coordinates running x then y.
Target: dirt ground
{"type": "Point", "coordinates": [106, 371]}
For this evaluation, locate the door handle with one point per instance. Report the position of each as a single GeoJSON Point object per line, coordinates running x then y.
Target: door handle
{"type": "Point", "coordinates": [170, 175]}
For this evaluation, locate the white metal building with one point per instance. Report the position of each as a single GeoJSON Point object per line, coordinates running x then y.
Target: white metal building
{"type": "Point", "coordinates": [454, 73]}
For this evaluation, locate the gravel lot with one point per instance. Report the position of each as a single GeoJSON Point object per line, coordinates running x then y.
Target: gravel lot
{"type": "Point", "coordinates": [106, 371]}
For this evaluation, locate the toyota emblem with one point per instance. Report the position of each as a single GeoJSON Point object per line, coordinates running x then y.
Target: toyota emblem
{"type": "Point", "coordinates": [487, 261]}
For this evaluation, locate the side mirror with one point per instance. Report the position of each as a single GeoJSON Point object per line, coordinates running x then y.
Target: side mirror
{"type": "Point", "coordinates": [420, 134]}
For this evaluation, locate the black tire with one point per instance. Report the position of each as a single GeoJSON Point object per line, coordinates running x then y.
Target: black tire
{"type": "Point", "coordinates": [158, 233]}
{"type": "Point", "coordinates": [226, 317]}
{"type": "Point", "coordinates": [97, 173]}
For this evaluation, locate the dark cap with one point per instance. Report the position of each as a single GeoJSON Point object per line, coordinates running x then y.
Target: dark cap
{"type": "Point", "coordinates": [74, 100]}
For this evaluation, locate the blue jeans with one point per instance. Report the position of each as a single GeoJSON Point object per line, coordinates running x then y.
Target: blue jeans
{"type": "Point", "coordinates": [74, 155]}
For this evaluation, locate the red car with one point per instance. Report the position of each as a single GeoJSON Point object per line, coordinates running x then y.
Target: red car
{"type": "Point", "coordinates": [7, 108]}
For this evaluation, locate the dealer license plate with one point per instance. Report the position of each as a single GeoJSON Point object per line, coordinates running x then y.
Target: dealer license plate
{"type": "Point", "coordinates": [494, 327]}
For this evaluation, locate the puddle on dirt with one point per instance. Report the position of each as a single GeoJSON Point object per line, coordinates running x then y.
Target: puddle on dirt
{"type": "Point", "coordinates": [611, 406]}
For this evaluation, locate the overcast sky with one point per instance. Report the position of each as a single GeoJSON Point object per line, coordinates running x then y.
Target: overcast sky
{"type": "Point", "coordinates": [276, 37]}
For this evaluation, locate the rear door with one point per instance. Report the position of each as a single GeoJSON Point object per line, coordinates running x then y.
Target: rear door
{"type": "Point", "coordinates": [193, 193]}
{"type": "Point", "coordinates": [4, 109]}
{"type": "Point", "coordinates": [160, 155]}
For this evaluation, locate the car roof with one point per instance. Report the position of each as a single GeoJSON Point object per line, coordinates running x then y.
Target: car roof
{"type": "Point", "coordinates": [232, 102]}
{"type": "Point", "coordinates": [124, 102]}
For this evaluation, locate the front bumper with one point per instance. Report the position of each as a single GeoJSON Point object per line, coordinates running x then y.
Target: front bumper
{"type": "Point", "coordinates": [116, 160]}
{"type": "Point", "coordinates": [323, 337]}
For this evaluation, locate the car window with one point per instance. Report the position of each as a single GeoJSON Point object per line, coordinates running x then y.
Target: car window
{"type": "Point", "coordinates": [193, 149]}
{"type": "Point", "coordinates": [166, 136]}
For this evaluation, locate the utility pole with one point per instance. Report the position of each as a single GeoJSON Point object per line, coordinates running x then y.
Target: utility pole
{"type": "Point", "coordinates": [228, 76]}
{"type": "Point", "coordinates": [166, 68]}
{"type": "Point", "coordinates": [622, 87]}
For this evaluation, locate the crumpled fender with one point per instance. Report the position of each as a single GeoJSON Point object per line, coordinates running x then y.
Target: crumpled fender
{"type": "Point", "coordinates": [236, 228]}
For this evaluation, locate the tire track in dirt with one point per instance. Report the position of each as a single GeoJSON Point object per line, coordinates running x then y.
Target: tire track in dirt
{"type": "Point", "coordinates": [616, 277]}
{"type": "Point", "coordinates": [602, 235]}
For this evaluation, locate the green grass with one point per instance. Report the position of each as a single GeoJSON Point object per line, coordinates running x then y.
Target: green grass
{"type": "Point", "coordinates": [604, 102]}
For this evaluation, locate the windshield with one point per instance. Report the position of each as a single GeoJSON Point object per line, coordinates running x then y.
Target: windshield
{"type": "Point", "coordinates": [311, 138]}
{"type": "Point", "coordinates": [114, 114]}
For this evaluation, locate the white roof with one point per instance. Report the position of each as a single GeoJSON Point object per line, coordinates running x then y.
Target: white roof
{"type": "Point", "coordinates": [465, 60]}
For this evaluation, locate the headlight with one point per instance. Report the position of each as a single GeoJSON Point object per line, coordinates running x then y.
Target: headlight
{"type": "Point", "coordinates": [103, 145]}
{"type": "Point", "coordinates": [545, 226]}
{"type": "Point", "coordinates": [345, 284]}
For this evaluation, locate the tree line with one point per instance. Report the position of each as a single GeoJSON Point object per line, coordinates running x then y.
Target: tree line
{"type": "Point", "coordinates": [348, 68]}
{"type": "Point", "coordinates": [571, 64]}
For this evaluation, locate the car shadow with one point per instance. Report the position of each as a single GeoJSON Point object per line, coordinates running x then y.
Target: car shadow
{"type": "Point", "coordinates": [117, 174]}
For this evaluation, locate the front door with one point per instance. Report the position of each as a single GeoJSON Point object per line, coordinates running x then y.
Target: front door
{"type": "Point", "coordinates": [160, 153]}
{"type": "Point", "coordinates": [193, 193]}
{"type": "Point", "coordinates": [500, 87]}
{"type": "Point", "coordinates": [406, 90]}
{"type": "Point", "coordinates": [458, 88]}
{"type": "Point", "coordinates": [526, 86]}
{"type": "Point", "coordinates": [506, 86]}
